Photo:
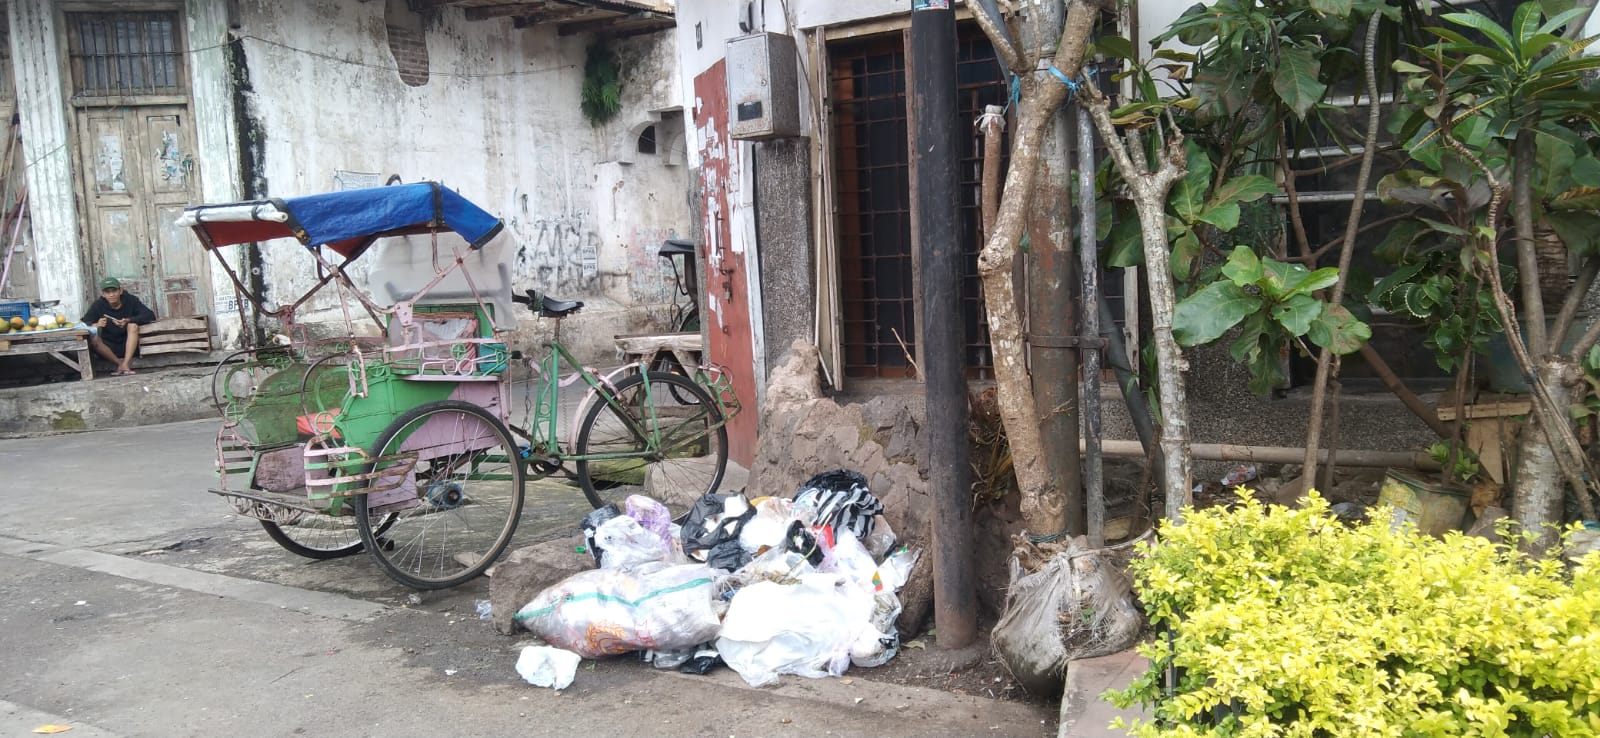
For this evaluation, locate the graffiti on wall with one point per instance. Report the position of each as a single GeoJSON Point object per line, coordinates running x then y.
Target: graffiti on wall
{"type": "Point", "coordinates": [557, 253]}
{"type": "Point", "coordinates": [650, 276]}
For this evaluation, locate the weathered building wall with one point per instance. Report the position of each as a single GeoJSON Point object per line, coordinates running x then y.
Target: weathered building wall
{"type": "Point", "coordinates": [47, 147]}
{"type": "Point", "coordinates": [489, 110]}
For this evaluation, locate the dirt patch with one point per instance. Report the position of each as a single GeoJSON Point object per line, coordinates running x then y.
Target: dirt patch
{"type": "Point", "coordinates": [921, 667]}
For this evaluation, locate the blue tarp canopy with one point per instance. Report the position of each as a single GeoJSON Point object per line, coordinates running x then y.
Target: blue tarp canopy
{"type": "Point", "coordinates": [346, 221]}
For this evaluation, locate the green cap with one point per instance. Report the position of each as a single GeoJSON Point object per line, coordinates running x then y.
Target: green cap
{"type": "Point", "coordinates": [110, 283]}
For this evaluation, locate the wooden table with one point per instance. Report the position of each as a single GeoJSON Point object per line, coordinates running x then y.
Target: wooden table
{"type": "Point", "coordinates": [62, 344]}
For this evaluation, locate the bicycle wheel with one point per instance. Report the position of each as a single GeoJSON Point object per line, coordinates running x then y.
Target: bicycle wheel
{"type": "Point", "coordinates": [675, 451]}
{"type": "Point", "coordinates": [321, 536]}
{"type": "Point", "coordinates": [456, 510]}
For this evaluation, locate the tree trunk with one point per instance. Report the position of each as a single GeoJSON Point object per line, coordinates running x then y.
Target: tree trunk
{"type": "Point", "coordinates": [1538, 498]}
{"type": "Point", "coordinates": [1151, 204]}
{"type": "Point", "coordinates": [1043, 510]}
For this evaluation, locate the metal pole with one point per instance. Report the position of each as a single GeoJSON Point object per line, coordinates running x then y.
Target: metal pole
{"type": "Point", "coordinates": [1053, 322]}
{"type": "Point", "coordinates": [933, 101]}
{"type": "Point", "coordinates": [1116, 356]}
{"type": "Point", "coordinates": [1089, 272]}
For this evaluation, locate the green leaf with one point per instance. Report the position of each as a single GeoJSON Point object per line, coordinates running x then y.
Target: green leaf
{"type": "Point", "coordinates": [1339, 331]}
{"type": "Point", "coordinates": [1184, 251]}
{"type": "Point", "coordinates": [1243, 188]}
{"type": "Point", "coordinates": [1243, 267]}
{"type": "Point", "coordinates": [1296, 313]}
{"type": "Point", "coordinates": [1336, 8]}
{"type": "Point", "coordinates": [1580, 231]}
{"type": "Point", "coordinates": [1524, 21]}
{"type": "Point", "coordinates": [1188, 195]}
{"type": "Point", "coordinates": [1295, 80]}
{"type": "Point", "coordinates": [1394, 246]}
{"type": "Point", "coordinates": [1222, 215]}
{"type": "Point", "coordinates": [1105, 212]}
{"type": "Point", "coordinates": [1381, 291]}
{"type": "Point", "coordinates": [1486, 26]}
{"type": "Point", "coordinates": [1553, 159]}
{"type": "Point", "coordinates": [1320, 279]}
{"type": "Point", "coordinates": [1207, 314]}
{"type": "Point", "coordinates": [1127, 244]}
{"type": "Point", "coordinates": [1586, 171]}
{"type": "Point", "coordinates": [1248, 345]}
{"type": "Point", "coordinates": [1115, 46]}
{"type": "Point", "coordinates": [1404, 67]}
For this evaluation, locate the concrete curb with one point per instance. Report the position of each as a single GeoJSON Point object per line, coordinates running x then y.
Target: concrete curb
{"type": "Point", "coordinates": [1084, 714]}
{"type": "Point", "coordinates": [147, 398]}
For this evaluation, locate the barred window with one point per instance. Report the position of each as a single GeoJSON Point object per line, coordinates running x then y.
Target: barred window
{"type": "Point", "coordinates": [125, 54]}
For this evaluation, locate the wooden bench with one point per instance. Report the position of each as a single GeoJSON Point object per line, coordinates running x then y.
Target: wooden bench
{"type": "Point", "coordinates": [175, 335]}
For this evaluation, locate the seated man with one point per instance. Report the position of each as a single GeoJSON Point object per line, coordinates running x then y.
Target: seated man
{"type": "Point", "coordinates": [118, 316]}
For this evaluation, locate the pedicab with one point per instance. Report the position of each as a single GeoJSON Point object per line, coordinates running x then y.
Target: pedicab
{"type": "Point", "coordinates": [393, 432]}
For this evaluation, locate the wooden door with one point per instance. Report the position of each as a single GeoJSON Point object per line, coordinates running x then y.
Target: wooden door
{"type": "Point", "coordinates": [138, 170]}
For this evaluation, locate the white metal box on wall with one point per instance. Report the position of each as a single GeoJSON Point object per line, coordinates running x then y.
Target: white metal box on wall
{"type": "Point", "coordinates": [763, 87]}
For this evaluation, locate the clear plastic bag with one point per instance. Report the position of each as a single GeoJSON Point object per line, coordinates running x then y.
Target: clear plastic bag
{"type": "Point", "coordinates": [605, 612]}
{"type": "Point", "coordinates": [623, 542]}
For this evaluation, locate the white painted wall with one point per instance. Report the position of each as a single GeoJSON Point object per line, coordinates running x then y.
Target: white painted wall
{"type": "Point", "coordinates": [46, 146]}
{"type": "Point", "coordinates": [498, 120]}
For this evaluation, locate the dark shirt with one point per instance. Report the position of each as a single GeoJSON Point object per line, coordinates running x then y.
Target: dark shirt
{"type": "Point", "coordinates": [132, 310]}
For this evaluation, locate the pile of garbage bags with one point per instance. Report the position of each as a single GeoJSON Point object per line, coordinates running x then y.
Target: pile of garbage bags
{"type": "Point", "coordinates": [771, 586]}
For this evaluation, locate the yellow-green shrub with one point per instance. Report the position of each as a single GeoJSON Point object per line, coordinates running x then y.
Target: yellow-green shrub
{"type": "Point", "coordinates": [1288, 623]}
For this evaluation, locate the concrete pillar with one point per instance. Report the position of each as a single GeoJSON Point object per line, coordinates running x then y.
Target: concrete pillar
{"type": "Point", "coordinates": [217, 138]}
{"type": "Point", "coordinates": [48, 149]}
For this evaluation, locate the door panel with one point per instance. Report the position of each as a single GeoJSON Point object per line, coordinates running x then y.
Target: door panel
{"type": "Point", "coordinates": [731, 339]}
{"type": "Point", "coordinates": [142, 176]}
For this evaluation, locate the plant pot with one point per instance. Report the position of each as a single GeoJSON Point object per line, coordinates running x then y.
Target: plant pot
{"type": "Point", "coordinates": [1499, 371]}
{"type": "Point", "coordinates": [1434, 507]}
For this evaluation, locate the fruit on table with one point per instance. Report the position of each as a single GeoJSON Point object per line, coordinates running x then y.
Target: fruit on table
{"type": "Point", "coordinates": [34, 321]}
{"type": "Point", "coordinates": [61, 319]}
{"type": "Point", "coordinates": [18, 322]}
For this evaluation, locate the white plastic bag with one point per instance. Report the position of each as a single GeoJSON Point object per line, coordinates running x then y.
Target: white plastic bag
{"type": "Point", "coordinates": [624, 542]}
{"type": "Point", "coordinates": [543, 666]}
{"type": "Point", "coordinates": [896, 569]}
{"type": "Point", "coordinates": [851, 559]}
{"type": "Point", "coordinates": [605, 612]}
{"type": "Point", "coordinates": [767, 529]}
{"type": "Point", "coordinates": [806, 629]}
{"type": "Point", "coordinates": [880, 640]}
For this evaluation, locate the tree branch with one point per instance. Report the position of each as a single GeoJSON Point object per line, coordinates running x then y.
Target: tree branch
{"type": "Point", "coordinates": [1574, 300]}
{"type": "Point", "coordinates": [999, 36]}
{"type": "Point", "coordinates": [1352, 226]}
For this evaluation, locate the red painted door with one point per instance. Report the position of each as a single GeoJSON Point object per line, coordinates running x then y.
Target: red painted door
{"type": "Point", "coordinates": [727, 287]}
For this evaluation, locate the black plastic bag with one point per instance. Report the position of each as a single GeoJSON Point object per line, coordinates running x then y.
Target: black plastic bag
{"type": "Point", "coordinates": [592, 521]}
{"type": "Point", "coordinates": [717, 543]}
{"type": "Point", "coordinates": [842, 501]}
{"type": "Point", "coordinates": [702, 662]}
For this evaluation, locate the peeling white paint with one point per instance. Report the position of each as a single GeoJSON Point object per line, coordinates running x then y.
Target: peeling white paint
{"type": "Point", "coordinates": [47, 148]}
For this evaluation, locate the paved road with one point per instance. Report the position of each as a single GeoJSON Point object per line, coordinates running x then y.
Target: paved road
{"type": "Point", "coordinates": [132, 604]}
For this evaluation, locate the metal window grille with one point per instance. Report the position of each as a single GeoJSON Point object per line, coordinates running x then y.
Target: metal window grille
{"type": "Point", "coordinates": [874, 207]}
{"type": "Point", "coordinates": [124, 54]}
{"type": "Point", "coordinates": [8, 89]}
{"type": "Point", "coordinates": [980, 82]}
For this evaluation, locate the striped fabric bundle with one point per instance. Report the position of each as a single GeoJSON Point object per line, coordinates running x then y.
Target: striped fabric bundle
{"type": "Point", "coordinates": [841, 501]}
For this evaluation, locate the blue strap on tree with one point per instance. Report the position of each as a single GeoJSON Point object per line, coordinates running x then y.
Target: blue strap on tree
{"type": "Point", "coordinates": [1072, 85]}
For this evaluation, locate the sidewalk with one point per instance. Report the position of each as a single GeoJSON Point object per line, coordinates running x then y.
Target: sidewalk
{"type": "Point", "coordinates": [1083, 713]}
